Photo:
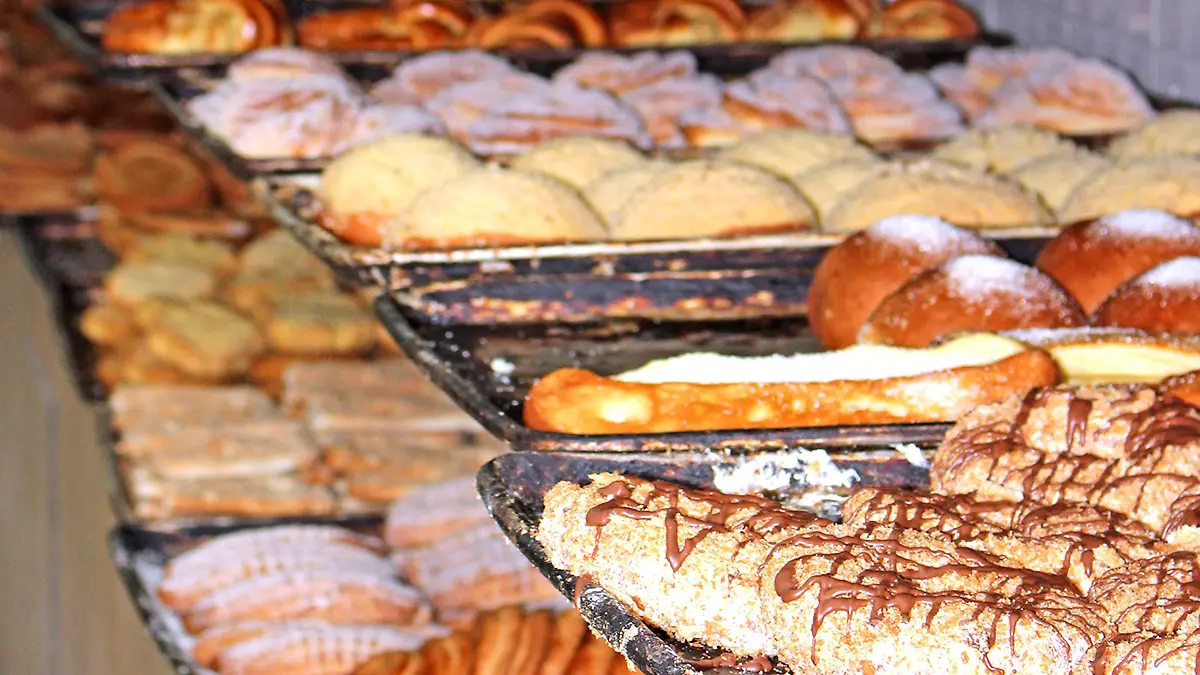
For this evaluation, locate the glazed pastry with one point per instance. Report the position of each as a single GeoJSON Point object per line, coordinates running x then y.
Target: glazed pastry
{"type": "Point", "coordinates": [966, 294]}
{"type": "Point", "coordinates": [956, 84]}
{"type": "Point", "coordinates": [1054, 177]}
{"type": "Point", "coordinates": [618, 74]}
{"type": "Point", "coordinates": [826, 185]}
{"type": "Point", "coordinates": [363, 191]}
{"type": "Point", "coordinates": [928, 187]}
{"type": "Point", "coordinates": [639, 23]}
{"type": "Point", "coordinates": [705, 392]}
{"type": "Point", "coordinates": [434, 512]}
{"type": "Point", "coordinates": [423, 25]}
{"type": "Point", "coordinates": [195, 26]}
{"type": "Point", "coordinates": [281, 63]}
{"type": "Point", "coordinates": [1164, 299]}
{"type": "Point", "coordinates": [1087, 97]}
{"type": "Point", "coordinates": [540, 23]}
{"type": "Point", "coordinates": [857, 274]}
{"type": "Point", "coordinates": [766, 102]}
{"type": "Point", "coordinates": [714, 199]}
{"type": "Point", "coordinates": [896, 108]}
{"type": "Point", "coordinates": [1173, 132]}
{"type": "Point", "coordinates": [662, 104]}
{"type": "Point", "coordinates": [1002, 150]}
{"type": "Point", "coordinates": [788, 152]}
{"type": "Point", "coordinates": [1092, 258]}
{"type": "Point", "coordinates": [462, 104]}
{"type": "Point", "coordinates": [922, 20]}
{"type": "Point", "coordinates": [419, 79]}
{"type": "Point", "coordinates": [151, 176]}
{"type": "Point", "coordinates": [1165, 183]}
{"type": "Point", "coordinates": [806, 21]}
{"type": "Point", "coordinates": [578, 160]}
{"type": "Point", "coordinates": [832, 62]}
{"type": "Point", "coordinates": [496, 207]}
{"type": "Point", "coordinates": [303, 646]}
{"type": "Point", "coordinates": [523, 120]}
{"type": "Point", "coordinates": [989, 68]}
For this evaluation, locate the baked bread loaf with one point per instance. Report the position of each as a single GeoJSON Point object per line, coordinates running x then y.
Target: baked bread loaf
{"type": "Point", "coordinates": [1174, 132]}
{"type": "Point", "coordinates": [956, 194]}
{"type": "Point", "coordinates": [711, 198]}
{"type": "Point", "coordinates": [1092, 258]}
{"type": "Point", "coordinates": [1002, 150]}
{"type": "Point", "coordinates": [1115, 355]}
{"type": "Point", "coordinates": [578, 160]}
{"type": "Point", "coordinates": [496, 207]}
{"type": "Point", "coordinates": [1166, 183]}
{"type": "Point", "coordinates": [967, 294]}
{"type": "Point", "coordinates": [859, 385]}
{"type": "Point", "coordinates": [788, 152]}
{"type": "Point", "coordinates": [857, 274]}
{"type": "Point", "coordinates": [195, 26]}
{"type": "Point", "coordinates": [1055, 176]}
{"type": "Point", "coordinates": [1164, 299]}
{"type": "Point", "coordinates": [363, 191]}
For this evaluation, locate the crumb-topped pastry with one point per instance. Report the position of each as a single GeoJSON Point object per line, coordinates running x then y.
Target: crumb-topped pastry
{"type": "Point", "coordinates": [1162, 182]}
{"type": "Point", "coordinates": [788, 152]}
{"type": "Point", "coordinates": [1001, 150]}
{"type": "Point", "coordinates": [578, 160]}
{"type": "Point", "coordinates": [1174, 132]}
{"type": "Point", "coordinates": [1055, 176]}
{"type": "Point", "coordinates": [827, 184]}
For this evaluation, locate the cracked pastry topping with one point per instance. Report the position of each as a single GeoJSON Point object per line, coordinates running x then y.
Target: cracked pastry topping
{"type": "Point", "coordinates": [1045, 548]}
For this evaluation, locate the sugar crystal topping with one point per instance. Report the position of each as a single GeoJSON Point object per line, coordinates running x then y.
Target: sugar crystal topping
{"type": "Point", "coordinates": [925, 232]}
{"type": "Point", "coordinates": [975, 275]}
{"type": "Point", "coordinates": [1146, 223]}
{"type": "Point", "coordinates": [1180, 272]}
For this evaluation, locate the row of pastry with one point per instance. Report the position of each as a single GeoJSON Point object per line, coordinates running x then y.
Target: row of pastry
{"type": "Point", "coordinates": [1059, 536]}
{"type": "Point", "coordinates": [407, 191]}
{"type": "Point", "coordinates": [911, 305]}
{"type": "Point", "coordinates": [284, 103]}
{"type": "Point", "coordinates": [233, 26]}
{"type": "Point", "coordinates": [441, 586]}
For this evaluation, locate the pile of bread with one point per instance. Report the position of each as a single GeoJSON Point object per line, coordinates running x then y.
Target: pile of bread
{"type": "Point", "coordinates": [410, 191]}
{"type": "Point", "coordinates": [288, 103]}
{"type": "Point", "coordinates": [233, 26]}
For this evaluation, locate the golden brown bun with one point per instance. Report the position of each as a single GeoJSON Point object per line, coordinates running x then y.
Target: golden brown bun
{"type": "Point", "coordinates": [967, 294]}
{"type": "Point", "coordinates": [1170, 184]}
{"type": "Point", "coordinates": [956, 194]}
{"type": "Point", "coordinates": [417, 26]}
{"type": "Point", "coordinates": [1185, 387]}
{"type": "Point", "coordinates": [856, 275]}
{"type": "Point", "coordinates": [497, 207]}
{"type": "Point", "coordinates": [196, 26]}
{"type": "Point", "coordinates": [712, 198]}
{"type": "Point", "coordinates": [540, 23]}
{"type": "Point", "coordinates": [364, 190]}
{"type": "Point", "coordinates": [922, 20]}
{"type": "Point", "coordinates": [1165, 299]}
{"type": "Point", "coordinates": [1092, 258]}
{"type": "Point", "coordinates": [676, 22]}
{"type": "Point", "coordinates": [805, 21]}
{"type": "Point", "coordinates": [580, 402]}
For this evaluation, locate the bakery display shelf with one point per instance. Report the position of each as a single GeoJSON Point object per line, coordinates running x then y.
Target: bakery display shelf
{"type": "Point", "coordinates": [79, 26]}
{"type": "Point", "coordinates": [512, 487]}
{"type": "Point", "coordinates": [82, 356]}
{"type": "Point", "coordinates": [11, 217]}
{"type": "Point", "coordinates": [65, 250]}
{"type": "Point", "coordinates": [488, 371]}
{"type": "Point", "coordinates": [140, 553]}
{"type": "Point", "coordinates": [690, 278]}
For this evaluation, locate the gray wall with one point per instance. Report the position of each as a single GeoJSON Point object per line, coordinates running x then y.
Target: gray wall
{"type": "Point", "coordinates": [1155, 39]}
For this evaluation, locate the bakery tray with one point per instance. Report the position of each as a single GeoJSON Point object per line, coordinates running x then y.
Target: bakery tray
{"type": "Point", "coordinates": [178, 86]}
{"type": "Point", "coordinates": [139, 555]}
{"type": "Point", "coordinates": [695, 278]}
{"type": "Point", "coordinates": [487, 371]}
{"type": "Point", "coordinates": [79, 25]}
{"type": "Point", "coordinates": [65, 251]}
{"type": "Point", "coordinates": [512, 487]}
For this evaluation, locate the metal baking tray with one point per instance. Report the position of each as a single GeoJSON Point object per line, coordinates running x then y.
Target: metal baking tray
{"type": "Point", "coordinates": [742, 277]}
{"type": "Point", "coordinates": [140, 553]}
{"type": "Point", "coordinates": [79, 26]}
{"type": "Point", "coordinates": [512, 487]}
{"type": "Point", "coordinates": [487, 371]}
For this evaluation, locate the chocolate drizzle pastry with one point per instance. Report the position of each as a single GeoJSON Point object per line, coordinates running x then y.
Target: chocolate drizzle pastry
{"type": "Point", "coordinates": [1053, 545]}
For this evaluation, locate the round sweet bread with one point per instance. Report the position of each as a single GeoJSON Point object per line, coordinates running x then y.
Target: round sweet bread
{"type": "Point", "coordinates": [578, 160]}
{"type": "Point", "coordinates": [1002, 150]}
{"type": "Point", "coordinates": [151, 175]}
{"type": "Point", "coordinates": [609, 193]}
{"type": "Point", "coordinates": [1055, 176]}
{"type": "Point", "coordinates": [930, 187]}
{"type": "Point", "coordinates": [857, 274]}
{"type": "Point", "coordinates": [1092, 258]}
{"type": "Point", "coordinates": [1175, 132]}
{"type": "Point", "coordinates": [826, 184]}
{"type": "Point", "coordinates": [970, 293]}
{"type": "Point", "coordinates": [788, 152]}
{"type": "Point", "coordinates": [1165, 299]}
{"type": "Point", "coordinates": [1170, 184]}
{"type": "Point", "coordinates": [364, 190]}
{"type": "Point", "coordinates": [711, 198]}
{"type": "Point", "coordinates": [496, 207]}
